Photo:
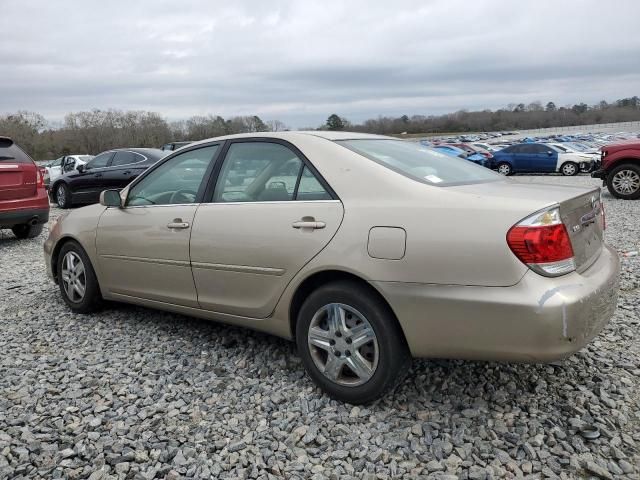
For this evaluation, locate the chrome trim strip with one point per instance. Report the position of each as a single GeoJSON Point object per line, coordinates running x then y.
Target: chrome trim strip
{"type": "Point", "coordinates": [283, 202]}
{"type": "Point", "coordinates": [160, 261]}
{"type": "Point", "coordinates": [239, 268]}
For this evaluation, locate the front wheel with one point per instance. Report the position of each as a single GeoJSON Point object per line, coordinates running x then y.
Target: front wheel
{"type": "Point", "coordinates": [77, 279]}
{"type": "Point", "coordinates": [624, 181]}
{"type": "Point", "coordinates": [505, 169]}
{"type": "Point", "coordinates": [569, 169]}
{"type": "Point", "coordinates": [350, 343]}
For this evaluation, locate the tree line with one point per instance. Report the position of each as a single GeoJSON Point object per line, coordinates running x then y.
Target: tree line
{"type": "Point", "coordinates": [513, 117]}
{"type": "Point", "coordinates": [95, 131]}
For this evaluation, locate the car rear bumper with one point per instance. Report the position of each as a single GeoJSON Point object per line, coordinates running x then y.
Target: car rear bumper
{"type": "Point", "coordinates": [539, 319]}
{"type": "Point", "coordinates": [17, 212]}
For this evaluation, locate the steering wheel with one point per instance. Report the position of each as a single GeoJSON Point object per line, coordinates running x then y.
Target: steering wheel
{"type": "Point", "coordinates": [183, 191]}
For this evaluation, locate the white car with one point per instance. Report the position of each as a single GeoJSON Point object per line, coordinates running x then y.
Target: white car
{"type": "Point", "coordinates": [567, 148]}
{"type": "Point", "coordinates": [65, 164]}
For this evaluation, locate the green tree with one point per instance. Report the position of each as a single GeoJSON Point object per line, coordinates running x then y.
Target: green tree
{"type": "Point", "coordinates": [334, 122]}
{"type": "Point", "coordinates": [551, 107]}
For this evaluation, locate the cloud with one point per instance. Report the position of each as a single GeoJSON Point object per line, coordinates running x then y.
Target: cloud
{"type": "Point", "coordinates": [301, 61]}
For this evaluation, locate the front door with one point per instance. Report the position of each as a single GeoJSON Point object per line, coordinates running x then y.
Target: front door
{"type": "Point", "coordinates": [86, 185]}
{"type": "Point", "coordinates": [143, 248]}
{"type": "Point", "coordinates": [270, 214]}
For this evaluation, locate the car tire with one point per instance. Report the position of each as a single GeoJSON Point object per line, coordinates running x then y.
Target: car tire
{"type": "Point", "coordinates": [624, 181]}
{"type": "Point", "coordinates": [505, 169]}
{"type": "Point", "coordinates": [70, 279]}
{"type": "Point", "coordinates": [569, 169]}
{"type": "Point", "coordinates": [368, 338]}
{"type": "Point", "coordinates": [62, 196]}
{"type": "Point", "coordinates": [27, 231]}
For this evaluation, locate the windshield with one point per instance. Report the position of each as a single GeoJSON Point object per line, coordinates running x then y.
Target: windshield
{"type": "Point", "coordinates": [421, 163]}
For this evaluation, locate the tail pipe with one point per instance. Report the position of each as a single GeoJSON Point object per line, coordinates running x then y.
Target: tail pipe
{"type": "Point", "coordinates": [33, 221]}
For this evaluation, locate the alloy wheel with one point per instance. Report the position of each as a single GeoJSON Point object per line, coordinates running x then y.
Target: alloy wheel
{"type": "Point", "coordinates": [74, 279]}
{"type": "Point", "coordinates": [504, 169]}
{"type": "Point", "coordinates": [626, 182]}
{"type": "Point", "coordinates": [61, 195]}
{"type": "Point", "coordinates": [343, 344]}
{"type": "Point", "coordinates": [569, 169]}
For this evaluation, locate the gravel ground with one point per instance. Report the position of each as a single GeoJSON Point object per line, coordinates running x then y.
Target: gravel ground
{"type": "Point", "coordinates": [140, 394]}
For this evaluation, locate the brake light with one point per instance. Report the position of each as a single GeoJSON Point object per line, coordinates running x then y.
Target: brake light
{"type": "Point", "coordinates": [39, 177]}
{"type": "Point", "coordinates": [542, 242]}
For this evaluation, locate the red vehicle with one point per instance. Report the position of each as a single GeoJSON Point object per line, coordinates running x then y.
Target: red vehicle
{"type": "Point", "coordinates": [620, 169]}
{"type": "Point", "coordinates": [24, 203]}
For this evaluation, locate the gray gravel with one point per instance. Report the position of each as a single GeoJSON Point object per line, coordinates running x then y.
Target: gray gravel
{"type": "Point", "coordinates": [140, 394]}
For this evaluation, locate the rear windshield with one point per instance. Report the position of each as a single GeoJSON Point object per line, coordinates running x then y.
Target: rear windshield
{"type": "Point", "coordinates": [10, 152]}
{"type": "Point", "coordinates": [421, 163]}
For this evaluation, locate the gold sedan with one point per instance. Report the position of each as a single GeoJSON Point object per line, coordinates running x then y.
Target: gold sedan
{"type": "Point", "coordinates": [366, 250]}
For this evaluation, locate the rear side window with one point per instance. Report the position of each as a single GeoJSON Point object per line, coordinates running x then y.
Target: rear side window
{"type": "Point", "coordinates": [125, 158]}
{"type": "Point", "coordinates": [420, 163]}
{"type": "Point", "coordinates": [11, 153]}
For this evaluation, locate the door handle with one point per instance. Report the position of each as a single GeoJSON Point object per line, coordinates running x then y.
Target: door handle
{"type": "Point", "coordinates": [308, 224]}
{"type": "Point", "coordinates": [127, 172]}
{"type": "Point", "coordinates": [177, 224]}
{"type": "Point", "coordinates": [97, 174]}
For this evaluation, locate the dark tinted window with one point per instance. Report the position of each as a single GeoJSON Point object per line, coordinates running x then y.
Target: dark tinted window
{"type": "Point", "coordinates": [125, 158]}
{"type": "Point", "coordinates": [511, 149]}
{"type": "Point", "coordinates": [10, 152]}
{"type": "Point", "coordinates": [100, 161]}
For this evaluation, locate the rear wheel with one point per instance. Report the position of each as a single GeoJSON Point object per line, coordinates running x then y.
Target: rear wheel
{"type": "Point", "coordinates": [505, 169]}
{"type": "Point", "coordinates": [569, 169]}
{"type": "Point", "coordinates": [27, 231]}
{"type": "Point", "coordinates": [624, 181]}
{"type": "Point", "coordinates": [77, 279]}
{"type": "Point", "coordinates": [350, 343]}
{"type": "Point", "coordinates": [63, 196]}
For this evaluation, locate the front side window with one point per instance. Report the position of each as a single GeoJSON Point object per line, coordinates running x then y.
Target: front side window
{"type": "Point", "coordinates": [100, 161]}
{"type": "Point", "coordinates": [258, 172]}
{"type": "Point", "coordinates": [57, 162]}
{"type": "Point", "coordinates": [420, 163]}
{"type": "Point", "coordinates": [176, 181]}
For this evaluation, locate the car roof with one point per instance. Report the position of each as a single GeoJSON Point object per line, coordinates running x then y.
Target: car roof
{"type": "Point", "coordinates": [147, 152]}
{"type": "Point", "coordinates": [292, 135]}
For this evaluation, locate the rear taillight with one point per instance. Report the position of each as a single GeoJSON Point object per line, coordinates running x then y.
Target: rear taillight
{"type": "Point", "coordinates": [542, 242]}
{"type": "Point", "coordinates": [40, 177]}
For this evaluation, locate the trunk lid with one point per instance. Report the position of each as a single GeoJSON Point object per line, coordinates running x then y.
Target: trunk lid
{"type": "Point", "coordinates": [582, 216]}
{"type": "Point", "coordinates": [580, 210]}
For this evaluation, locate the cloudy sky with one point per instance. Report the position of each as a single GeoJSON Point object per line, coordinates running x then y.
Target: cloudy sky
{"type": "Point", "coordinates": [299, 61]}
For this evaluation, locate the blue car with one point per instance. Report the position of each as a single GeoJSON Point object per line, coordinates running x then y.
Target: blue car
{"type": "Point", "coordinates": [458, 152]}
{"type": "Point", "coordinates": [537, 158]}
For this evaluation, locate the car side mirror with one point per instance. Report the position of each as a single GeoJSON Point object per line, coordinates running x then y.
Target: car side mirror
{"type": "Point", "coordinates": [110, 198]}
{"type": "Point", "coordinates": [81, 168]}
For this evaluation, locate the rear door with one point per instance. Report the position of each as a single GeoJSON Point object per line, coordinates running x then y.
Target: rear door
{"type": "Point", "coordinates": [18, 173]}
{"type": "Point", "coordinates": [269, 215]}
{"type": "Point", "coordinates": [546, 158]}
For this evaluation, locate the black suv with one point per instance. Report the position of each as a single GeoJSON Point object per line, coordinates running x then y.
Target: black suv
{"type": "Point", "coordinates": [112, 169]}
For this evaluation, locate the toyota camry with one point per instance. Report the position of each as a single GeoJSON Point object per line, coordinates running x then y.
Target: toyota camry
{"type": "Point", "coordinates": [365, 250]}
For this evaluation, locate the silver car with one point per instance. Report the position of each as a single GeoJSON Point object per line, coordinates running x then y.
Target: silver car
{"type": "Point", "coordinates": [365, 250]}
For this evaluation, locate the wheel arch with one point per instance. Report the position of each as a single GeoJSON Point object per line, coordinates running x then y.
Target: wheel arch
{"type": "Point", "coordinates": [55, 253]}
{"type": "Point", "coordinates": [324, 277]}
